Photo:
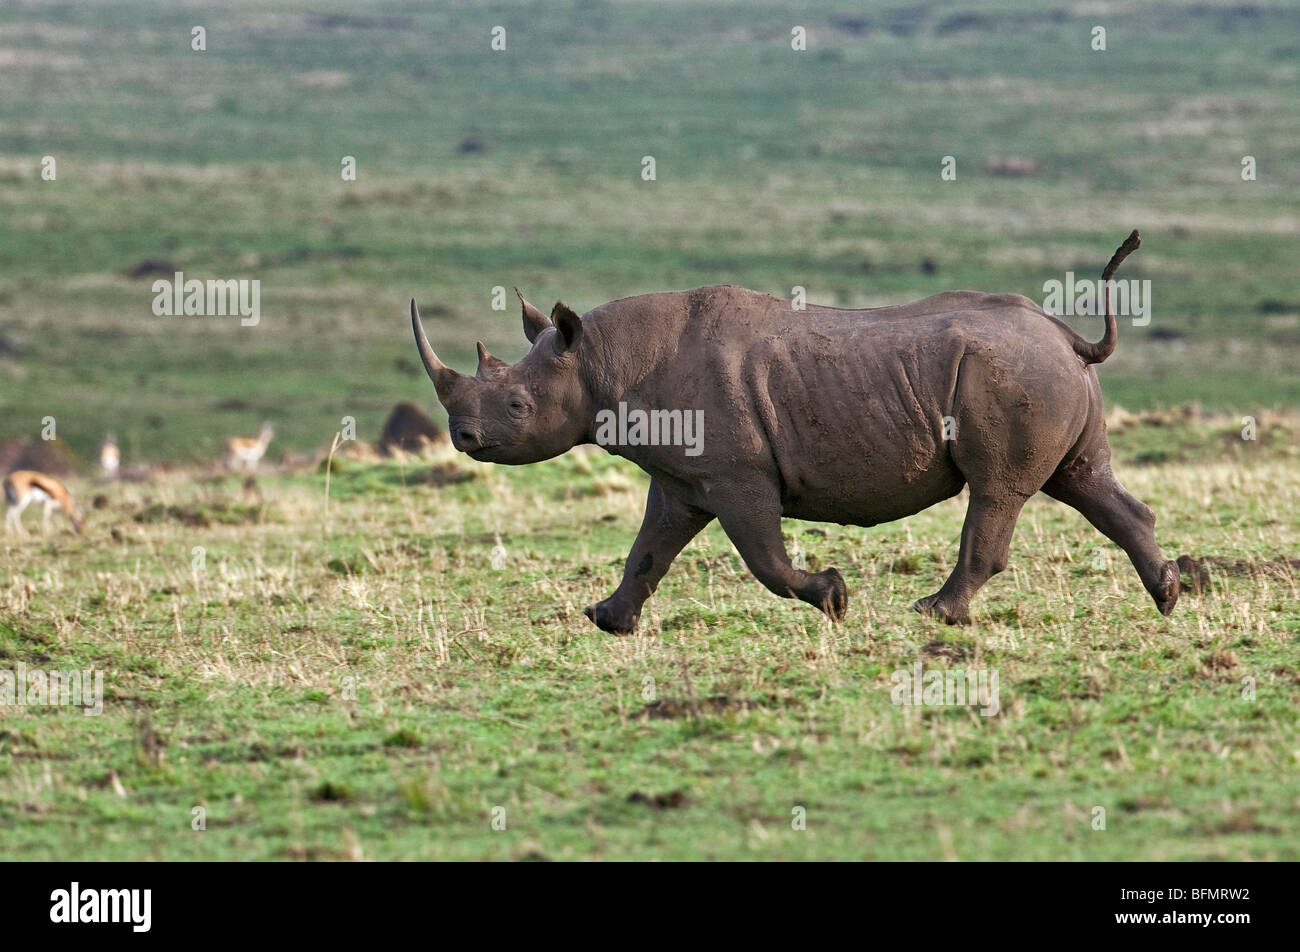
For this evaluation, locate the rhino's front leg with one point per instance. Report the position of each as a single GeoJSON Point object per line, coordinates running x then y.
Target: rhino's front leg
{"type": "Point", "coordinates": [668, 525]}
{"type": "Point", "coordinates": [752, 520]}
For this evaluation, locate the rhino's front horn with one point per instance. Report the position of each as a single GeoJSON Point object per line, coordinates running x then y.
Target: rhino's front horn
{"type": "Point", "coordinates": [489, 367]}
{"type": "Point", "coordinates": [443, 377]}
{"type": "Point", "coordinates": [534, 320]}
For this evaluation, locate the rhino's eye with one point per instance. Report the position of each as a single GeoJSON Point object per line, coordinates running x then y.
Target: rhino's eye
{"type": "Point", "coordinates": [518, 407]}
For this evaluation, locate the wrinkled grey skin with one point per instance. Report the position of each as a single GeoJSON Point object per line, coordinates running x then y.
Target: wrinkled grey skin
{"type": "Point", "coordinates": [824, 414]}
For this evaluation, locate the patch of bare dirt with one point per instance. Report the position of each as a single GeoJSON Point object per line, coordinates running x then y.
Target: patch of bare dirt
{"type": "Point", "coordinates": [1220, 660]}
{"type": "Point", "coordinates": [660, 801]}
{"type": "Point", "coordinates": [672, 708]}
{"type": "Point", "coordinates": [946, 650]}
{"type": "Point", "coordinates": [1281, 567]}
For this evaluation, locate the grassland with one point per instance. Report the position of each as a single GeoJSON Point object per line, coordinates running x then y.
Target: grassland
{"type": "Point", "coordinates": [375, 678]}
{"type": "Point", "coordinates": [371, 677]}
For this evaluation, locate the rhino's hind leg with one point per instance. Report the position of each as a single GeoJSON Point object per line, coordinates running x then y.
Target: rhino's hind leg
{"type": "Point", "coordinates": [754, 527]}
{"type": "Point", "coordinates": [985, 543]}
{"type": "Point", "coordinates": [666, 528]}
{"type": "Point", "coordinates": [1126, 521]}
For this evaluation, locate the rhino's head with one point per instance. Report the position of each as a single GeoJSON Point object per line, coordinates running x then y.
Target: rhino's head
{"type": "Point", "coordinates": [521, 413]}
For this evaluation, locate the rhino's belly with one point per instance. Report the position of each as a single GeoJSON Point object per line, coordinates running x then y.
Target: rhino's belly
{"type": "Point", "coordinates": [866, 498]}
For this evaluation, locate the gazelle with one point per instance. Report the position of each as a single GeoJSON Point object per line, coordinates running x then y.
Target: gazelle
{"type": "Point", "coordinates": [24, 487]}
{"type": "Point", "coordinates": [109, 457]}
{"type": "Point", "coordinates": [244, 453]}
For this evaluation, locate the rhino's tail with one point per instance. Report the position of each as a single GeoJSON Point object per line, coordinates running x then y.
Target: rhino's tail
{"type": "Point", "coordinates": [1096, 353]}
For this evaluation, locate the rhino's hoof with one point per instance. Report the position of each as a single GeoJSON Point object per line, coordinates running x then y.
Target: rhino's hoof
{"type": "Point", "coordinates": [609, 618]}
{"type": "Point", "coordinates": [834, 594]}
{"type": "Point", "coordinates": [935, 607]}
{"type": "Point", "coordinates": [1166, 594]}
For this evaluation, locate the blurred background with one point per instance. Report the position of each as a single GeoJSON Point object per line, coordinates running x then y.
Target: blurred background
{"type": "Point", "coordinates": [479, 168]}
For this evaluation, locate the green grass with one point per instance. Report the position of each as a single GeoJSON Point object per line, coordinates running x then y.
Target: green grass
{"type": "Point", "coordinates": [363, 682]}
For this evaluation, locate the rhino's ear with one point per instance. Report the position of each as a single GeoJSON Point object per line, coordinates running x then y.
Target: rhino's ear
{"type": "Point", "coordinates": [534, 320]}
{"type": "Point", "coordinates": [568, 324]}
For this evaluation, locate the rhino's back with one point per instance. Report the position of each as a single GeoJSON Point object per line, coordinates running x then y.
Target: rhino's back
{"type": "Point", "coordinates": [976, 313]}
{"type": "Point", "coordinates": [726, 313]}
{"type": "Point", "coordinates": [853, 402]}
{"type": "Point", "coordinates": [736, 316]}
